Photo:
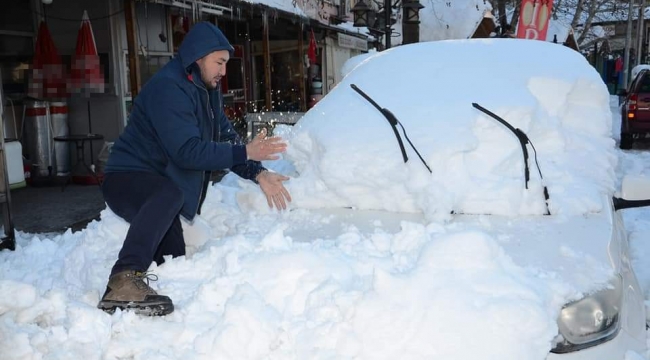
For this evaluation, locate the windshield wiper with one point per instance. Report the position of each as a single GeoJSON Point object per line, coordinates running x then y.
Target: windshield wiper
{"type": "Point", "coordinates": [392, 120]}
{"type": "Point", "coordinates": [523, 140]}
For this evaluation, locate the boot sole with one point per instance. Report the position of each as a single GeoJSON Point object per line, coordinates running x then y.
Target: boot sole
{"type": "Point", "coordinates": [152, 308]}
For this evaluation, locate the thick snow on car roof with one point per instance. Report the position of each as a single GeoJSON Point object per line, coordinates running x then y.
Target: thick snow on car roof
{"type": "Point", "coordinates": [345, 153]}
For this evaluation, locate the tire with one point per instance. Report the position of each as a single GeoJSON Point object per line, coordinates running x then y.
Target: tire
{"type": "Point", "coordinates": [626, 141]}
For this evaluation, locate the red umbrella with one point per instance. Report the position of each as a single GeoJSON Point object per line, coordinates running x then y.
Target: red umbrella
{"type": "Point", "coordinates": [86, 74]}
{"type": "Point", "coordinates": [48, 73]}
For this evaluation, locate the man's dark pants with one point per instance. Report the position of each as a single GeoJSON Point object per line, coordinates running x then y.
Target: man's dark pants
{"type": "Point", "coordinates": [151, 203]}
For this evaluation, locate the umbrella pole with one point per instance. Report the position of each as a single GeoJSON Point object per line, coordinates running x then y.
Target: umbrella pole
{"type": "Point", "coordinates": [90, 131]}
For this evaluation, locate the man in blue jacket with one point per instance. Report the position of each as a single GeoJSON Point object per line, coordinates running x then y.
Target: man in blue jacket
{"type": "Point", "coordinates": [160, 166]}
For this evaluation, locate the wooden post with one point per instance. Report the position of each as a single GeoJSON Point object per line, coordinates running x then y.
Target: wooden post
{"type": "Point", "coordinates": [301, 57]}
{"type": "Point", "coordinates": [134, 59]}
{"type": "Point", "coordinates": [267, 60]}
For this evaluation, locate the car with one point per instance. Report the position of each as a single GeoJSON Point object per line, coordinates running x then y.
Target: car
{"type": "Point", "coordinates": [509, 138]}
{"type": "Point", "coordinates": [635, 109]}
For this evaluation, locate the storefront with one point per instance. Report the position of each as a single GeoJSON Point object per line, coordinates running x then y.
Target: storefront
{"type": "Point", "coordinates": [271, 69]}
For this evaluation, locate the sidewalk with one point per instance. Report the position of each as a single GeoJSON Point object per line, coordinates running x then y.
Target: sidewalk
{"type": "Point", "coordinates": [50, 210]}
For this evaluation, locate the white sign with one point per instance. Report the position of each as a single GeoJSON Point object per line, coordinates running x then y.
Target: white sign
{"type": "Point", "coordinates": [352, 42]}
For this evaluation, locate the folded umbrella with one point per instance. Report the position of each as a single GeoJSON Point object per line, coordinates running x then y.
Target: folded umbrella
{"type": "Point", "coordinates": [48, 78]}
{"type": "Point", "coordinates": [86, 76]}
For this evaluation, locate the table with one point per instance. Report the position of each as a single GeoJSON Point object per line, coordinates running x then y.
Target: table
{"type": "Point", "coordinates": [80, 143]}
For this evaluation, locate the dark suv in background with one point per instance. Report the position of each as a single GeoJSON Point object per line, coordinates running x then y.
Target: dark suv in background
{"type": "Point", "coordinates": [635, 110]}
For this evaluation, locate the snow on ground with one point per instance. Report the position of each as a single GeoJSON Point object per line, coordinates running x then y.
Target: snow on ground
{"type": "Point", "coordinates": [320, 284]}
{"type": "Point", "coordinates": [637, 221]}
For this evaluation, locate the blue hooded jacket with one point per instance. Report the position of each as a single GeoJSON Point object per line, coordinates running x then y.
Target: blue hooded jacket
{"type": "Point", "coordinates": [177, 128]}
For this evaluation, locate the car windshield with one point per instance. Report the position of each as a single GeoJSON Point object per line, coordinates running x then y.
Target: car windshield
{"type": "Point", "coordinates": [343, 152]}
{"type": "Point", "coordinates": [644, 84]}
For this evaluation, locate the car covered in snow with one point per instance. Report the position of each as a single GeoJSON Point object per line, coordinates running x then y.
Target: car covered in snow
{"type": "Point", "coordinates": [474, 181]}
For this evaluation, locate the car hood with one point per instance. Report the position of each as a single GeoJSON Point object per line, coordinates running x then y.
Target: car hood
{"type": "Point", "coordinates": [584, 251]}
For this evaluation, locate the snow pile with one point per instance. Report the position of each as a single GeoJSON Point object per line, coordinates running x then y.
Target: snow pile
{"type": "Point", "coordinates": [346, 155]}
{"type": "Point", "coordinates": [248, 290]}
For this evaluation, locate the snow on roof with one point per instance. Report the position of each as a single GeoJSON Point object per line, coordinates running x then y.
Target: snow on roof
{"type": "Point", "coordinates": [349, 26]}
{"type": "Point", "coordinates": [447, 20]}
{"type": "Point", "coordinates": [284, 5]}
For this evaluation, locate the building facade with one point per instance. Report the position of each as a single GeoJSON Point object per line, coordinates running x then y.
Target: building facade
{"type": "Point", "coordinates": [271, 70]}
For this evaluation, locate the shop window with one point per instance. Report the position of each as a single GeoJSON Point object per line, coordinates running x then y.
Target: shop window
{"type": "Point", "coordinates": [180, 27]}
{"type": "Point", "coordinates": [150, 65]}
{"type": "Point", "coordinates": [14, 74]}
{"type": "Point", "coordinates": [152, 23]}
{"type": "Point", "coordinates": [286, 78]}
{"type": "Point", "coordinates": [235, 78]}
{"type": "Point", "coordinates": [154, 43]}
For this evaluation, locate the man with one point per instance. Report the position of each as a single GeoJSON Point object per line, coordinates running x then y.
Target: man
{"type": "Point", "coordinates": [160, 166]}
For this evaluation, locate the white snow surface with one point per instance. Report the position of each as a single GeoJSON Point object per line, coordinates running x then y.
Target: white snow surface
{"type": "Point", "coordinates": [346, 155]}
{"type": "Point", "coordinates": [324, 282]}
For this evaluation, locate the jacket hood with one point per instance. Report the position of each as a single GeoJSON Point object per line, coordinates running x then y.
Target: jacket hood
{"type": "Point", "coordinates": [201, 40]}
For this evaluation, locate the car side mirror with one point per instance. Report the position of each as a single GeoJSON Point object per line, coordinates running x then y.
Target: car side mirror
{"type": "Point", "coordinates": [635, 192]}
{"type": "Point", "coordinates": [622, 92]}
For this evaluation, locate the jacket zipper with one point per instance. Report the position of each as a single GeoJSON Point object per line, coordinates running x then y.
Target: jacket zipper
{"type": "Point", "coordinates": [211, 115]}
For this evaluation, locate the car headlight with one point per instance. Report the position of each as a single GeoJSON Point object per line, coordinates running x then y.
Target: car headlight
{"type": "Point", "coordinates": [591, 320]}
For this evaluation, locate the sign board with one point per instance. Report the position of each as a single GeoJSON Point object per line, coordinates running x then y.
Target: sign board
{"type": "Point", "coordinates": [351, 42]}
{"type": "Point", "coordinates": [320, 10]}
{"type": "Point", "coordinates": [534, 16]}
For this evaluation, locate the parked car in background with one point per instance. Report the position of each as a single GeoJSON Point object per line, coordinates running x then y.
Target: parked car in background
{"type": "Point", "coordinates": [635, 110]}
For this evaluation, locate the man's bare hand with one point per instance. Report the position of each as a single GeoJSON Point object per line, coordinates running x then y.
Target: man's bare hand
{"type": "Point", "coordinates": [263, 148]}
{"type": "Point", "coordinates": [276, 194]}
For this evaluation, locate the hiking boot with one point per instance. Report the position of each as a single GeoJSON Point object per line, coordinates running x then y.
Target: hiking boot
{"type": "Point", "coordinates": [127, 290]}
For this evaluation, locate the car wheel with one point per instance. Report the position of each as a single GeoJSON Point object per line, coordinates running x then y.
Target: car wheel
{"type": "Point", "coordinates": [626, 141]}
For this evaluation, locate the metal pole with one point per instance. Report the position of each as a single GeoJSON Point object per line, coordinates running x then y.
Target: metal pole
{"type": "Point", "coordinates": [639, 34]}
{"type": "Point", "coordinates": [628, 43]}
{"type": "Point", "coordinates": [266, 48]}
{"type": "Point", "coordinates": [9, 240]}
{"type": "Point", "coordinates": [387, 16]}
{"type": "Point", "coordinates": [301, 67]}
{"type": "Point", "coordinates": [131, 40]}
{"type": "Point", "coordinates": [642, 32]}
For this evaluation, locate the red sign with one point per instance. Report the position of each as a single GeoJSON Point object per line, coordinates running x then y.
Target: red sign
{"type": "Point", "coordinates": [534, 16]}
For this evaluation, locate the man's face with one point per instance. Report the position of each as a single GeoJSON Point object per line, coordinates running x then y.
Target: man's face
{"type": "Point", "coordinates": [213, 67]}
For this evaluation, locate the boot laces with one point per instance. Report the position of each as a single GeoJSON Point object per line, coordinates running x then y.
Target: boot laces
{"type": "Point", "coordinates": [139, 278]}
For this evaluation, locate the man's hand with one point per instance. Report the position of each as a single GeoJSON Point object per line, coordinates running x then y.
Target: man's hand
{"type": "Point", "coordinates": [263, 148]}
{"type": "Point", "coordinates": [276, 194]}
